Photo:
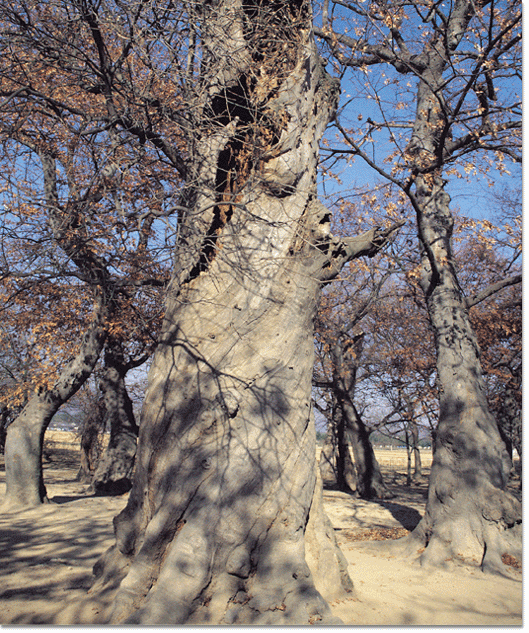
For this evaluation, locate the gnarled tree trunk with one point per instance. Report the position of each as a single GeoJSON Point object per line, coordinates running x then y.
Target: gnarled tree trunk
{"type": "Point", "coordinates": [469, 513]}
{"type": "Point", "coordinates": [113, 474]}
{"type": "Point", "coordinates": [224, 522]}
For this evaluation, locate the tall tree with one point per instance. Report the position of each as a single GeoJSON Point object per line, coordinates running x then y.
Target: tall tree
{"type": "Point", "coordinates": [461, 62]}
{"type": "Point", "coordinates": [224, 522]}
{"type": "Point", "coordinates": [80, 194]}
{"type": "Point", "coordinates": [106, 279]}
{"type": "Point", "coordinates": [493, 253]}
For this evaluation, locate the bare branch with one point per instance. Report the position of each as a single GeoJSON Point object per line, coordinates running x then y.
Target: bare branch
{"type": "Point", "coordinates": [492, 290]}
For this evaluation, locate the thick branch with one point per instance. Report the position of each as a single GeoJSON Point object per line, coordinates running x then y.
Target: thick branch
{"type": "Point", "coordinates": [492, 290]}
{"type": "Point", "coordinates": [80, 367]}
{"type": "Point", "coordinates": [366, 245]}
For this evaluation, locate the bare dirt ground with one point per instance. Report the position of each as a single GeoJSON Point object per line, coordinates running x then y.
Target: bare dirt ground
{"type": "Point", "coordinates": [47, 554]}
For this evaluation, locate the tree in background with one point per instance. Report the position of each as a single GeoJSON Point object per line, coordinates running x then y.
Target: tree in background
{"type": "Point", "coordinates": [90, 433]}
{"type": "Point", "coordinates": [489, 252]}
{"type": "Point", "coordinates": [460, 65]}
{"type": "Point", "coordinates": [340, 340]}
{"type": "Point", "coordinates": [79, 203]}
{"type": "Point", "coordinates": [113, 474]}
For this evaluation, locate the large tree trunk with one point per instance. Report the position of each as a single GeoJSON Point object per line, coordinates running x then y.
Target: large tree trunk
{"type": "Point", "coordinates": [224, 522]}
{"type": "Point", "coordinates": [225, 478]}
{"type": "Point", "coordinates": [25, 435]}
{"type": "Point", "coordinates": [113, 474]}
{"type": "Point", "coordinates": [469, 514]}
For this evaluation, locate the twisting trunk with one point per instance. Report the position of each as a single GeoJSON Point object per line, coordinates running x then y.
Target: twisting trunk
{"type": "Point", "coordinates": [224, 522]}
{"type": "Point", "coordinates": [25, 435]}
{"type": "Point", "coordinates": [469, 514]}
{"type": "Point", "coordinates": [113, 474]}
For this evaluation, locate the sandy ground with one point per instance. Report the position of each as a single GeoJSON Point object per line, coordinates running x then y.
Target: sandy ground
{"type": "Point", "coordinates": [47, 554]}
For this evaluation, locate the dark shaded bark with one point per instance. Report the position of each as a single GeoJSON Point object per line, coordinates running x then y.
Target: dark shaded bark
{"type": "Point", "coordinates": [369, 480]}
{"type": "Point", "coordinates": [91, 441]}
{"type": "Point", "coordinates": [224, 523]}
{"type": "Point", "coordinates": [4, 418]}
{"type": "Point", "coordinates": [336, 466]}
{"type": "Point", "coordinates": [113, 474]}
{"type": "Point", "coordinates": [507, 406]}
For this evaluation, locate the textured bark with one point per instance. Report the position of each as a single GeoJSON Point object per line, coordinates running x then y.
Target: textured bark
{"type": "Point", "coordinates": [25, 435]}
{"type": "Point", "coordinates": [225, 479]}
{"type": "Point", "coordinates": [224, 522]}
{"type": "Point", "coordinates": [469, 513]}
{"type": "Point", "coordinates": [113, 474]}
